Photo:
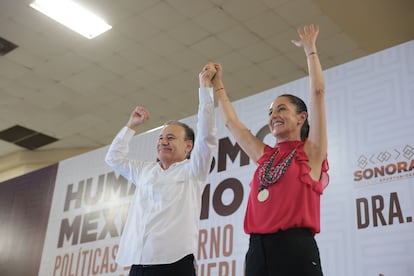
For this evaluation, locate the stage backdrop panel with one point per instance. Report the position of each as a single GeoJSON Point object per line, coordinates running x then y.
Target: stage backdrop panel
{"type": "Point", "coordinates": [24, 213]}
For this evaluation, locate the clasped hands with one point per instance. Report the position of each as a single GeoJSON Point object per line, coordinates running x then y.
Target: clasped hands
{"type": "Point", "coordinates": [207, 74]}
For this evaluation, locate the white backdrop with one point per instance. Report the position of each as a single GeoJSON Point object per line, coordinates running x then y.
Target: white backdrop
{"type": "Point", "coordinates": [367, 209]}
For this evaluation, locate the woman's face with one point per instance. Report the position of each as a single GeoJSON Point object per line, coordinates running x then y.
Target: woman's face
{"type": "Point", "coordinates": [284, 121]}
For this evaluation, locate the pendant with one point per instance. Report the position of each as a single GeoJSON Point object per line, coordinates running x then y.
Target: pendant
{"type": "Point", "coordinates": [263, 195]}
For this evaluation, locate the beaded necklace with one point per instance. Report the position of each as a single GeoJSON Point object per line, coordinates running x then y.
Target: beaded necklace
{"type": "Point", "coordinates": [269, 173]}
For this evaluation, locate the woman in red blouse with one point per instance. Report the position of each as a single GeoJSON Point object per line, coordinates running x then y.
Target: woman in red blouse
{"type": "Point", "coordinates": [283, 210]}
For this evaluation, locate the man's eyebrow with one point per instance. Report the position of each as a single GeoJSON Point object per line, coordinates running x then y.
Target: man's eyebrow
{"type": "Point", "coordinates": [167, 134]}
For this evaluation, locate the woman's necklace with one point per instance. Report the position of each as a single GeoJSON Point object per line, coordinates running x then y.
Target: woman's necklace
{"type": "Point", "coordinates": [270, 173]}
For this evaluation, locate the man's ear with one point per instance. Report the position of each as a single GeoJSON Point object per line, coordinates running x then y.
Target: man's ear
{"type": "Point", "coordinates": [190, 145]}
{"type": "Point", "coordinates": [188, 148]}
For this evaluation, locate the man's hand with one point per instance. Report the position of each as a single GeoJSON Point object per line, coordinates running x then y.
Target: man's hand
{"type": "Point", "coordinates": [138, 117]}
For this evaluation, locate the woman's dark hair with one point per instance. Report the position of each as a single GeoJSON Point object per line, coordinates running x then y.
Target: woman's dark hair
{"type": "Point", "coordinates": [189, 132]}
{"type": "Point", "coordinates": [300, 107]}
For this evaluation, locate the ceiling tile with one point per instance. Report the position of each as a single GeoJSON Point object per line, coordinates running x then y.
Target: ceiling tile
{"type": "Point", "coordinates": [244, 9]}
{"type": "Point", "coordinates": [73, 141]}
{"type": "Point", "coordinates": [163, 69]}
{"type": "Point", "coordinates": [139, 55]}
{"type": "Point", "coordinates": [275, 4]}
{"type": "Point", "coordinates": [8, 99]}
{"type": "Point", "coordinates": [25, 58]}
{"type": "Point", "coordinates": [114, 41]}
{"type": "Point", "coordinates": [88, 79]}
{"type": "Point", "coordinates": [233, 61]}
{"type": "Point", "coordinates": [117, 64]}
{"type": "Point", "coordinates": [279, 66]}
{"type": "Point", "coordinates": [11, 70]}
{"type": "Point", "coordinates": [100, 134]}
{"type": "Point", "coordinates": [9, 148]}
{"type": "Point", "coordinates": [94, 98]}
{"type": "Point", "coordinates": [267, 24]}
{"type": "Point", "coordinates": [326, 26]}
{"type": "Point", "coordinates": [283, 41]}
{"type": "Point", "coordinates": [136, 6]}
{"type": "Point", "coordinates": [187, 80]}
{"type": "Point", "coordinates": [92, 51]}
{"type": "Point", "coordinates": [42, 120]}
{"type": "Point", "coordinates": [258, 52]}
{"type": "Point", "coordinates": [245, 75]}
{"type": "Point", "coordinates": [238, 37]}
{"type": "Point", "coordinates": [74, 125]}
{"type": "Point", "coordinates": [164, 44]}
{"type": "Point", "coordinates": [211, 45]}
{"type": "Point", "coordinates": [61, 91]}
{"type": "Point", "coordinates": [137, 28]}
{"type": "Point", "coordinates": [33, 79]}
{"type": "Point", "coordinates": [170, 17]}
{"type": "Point", "coordinates": [122, 85]}
{"type": "Point", "coordinates": [188, 59]}
{"type": "Point", "coordinates": [142, 77]}
{"type": "Point", "coordinates": [61, 67]}
{"type": "Point", "coordinates": [16, 88]}
{"type": "Point", "coordinates": [190, 8]}
{"type": "Point", "coordinates": [303, 10]}
{"type": "Point", "coordinates": [188, 32]}
{"type": "Point", "coordinates": [349, 55]}
{"type": "Point", "coordinates": [19, 113]}
{"type": "Point", "coordinates": [215, 20]}
{"type": "Point", "coordinates": [337, 44]}
{"type": "Point", "coordinates": [42, 100]}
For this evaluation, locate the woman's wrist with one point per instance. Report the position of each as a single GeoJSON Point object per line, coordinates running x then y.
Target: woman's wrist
{"type": "Point", "coordinates": [313, 53]}
{"type": "Point", "coordinates": [217, 86]}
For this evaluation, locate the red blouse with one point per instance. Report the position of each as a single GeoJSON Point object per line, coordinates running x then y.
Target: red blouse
{"type": "Point", "coordinates": [294, 200]}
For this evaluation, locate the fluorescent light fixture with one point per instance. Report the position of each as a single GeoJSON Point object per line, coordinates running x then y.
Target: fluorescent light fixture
{"type": "Point", "coordinates": [72, 16]}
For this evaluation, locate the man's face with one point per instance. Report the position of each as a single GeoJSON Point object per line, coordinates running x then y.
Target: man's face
{"type": "Point", "coordinates": [172, 145]}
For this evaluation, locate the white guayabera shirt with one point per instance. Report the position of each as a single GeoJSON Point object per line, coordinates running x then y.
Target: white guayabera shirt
{"type": "Point", "coordinates": [162, 223]}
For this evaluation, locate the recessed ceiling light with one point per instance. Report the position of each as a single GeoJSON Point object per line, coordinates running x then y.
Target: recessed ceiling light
{"type": "Point", "coordinates": [72, 16]}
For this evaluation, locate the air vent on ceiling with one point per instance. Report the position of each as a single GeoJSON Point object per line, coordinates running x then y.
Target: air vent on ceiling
{"type": "Point", "coordinates": [6, 46]}
{"type": "Point", "coordinates": [25, 137]}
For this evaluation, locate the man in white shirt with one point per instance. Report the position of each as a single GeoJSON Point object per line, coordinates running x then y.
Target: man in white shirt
{"type": "Point", "coordinates": [159, 236]}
